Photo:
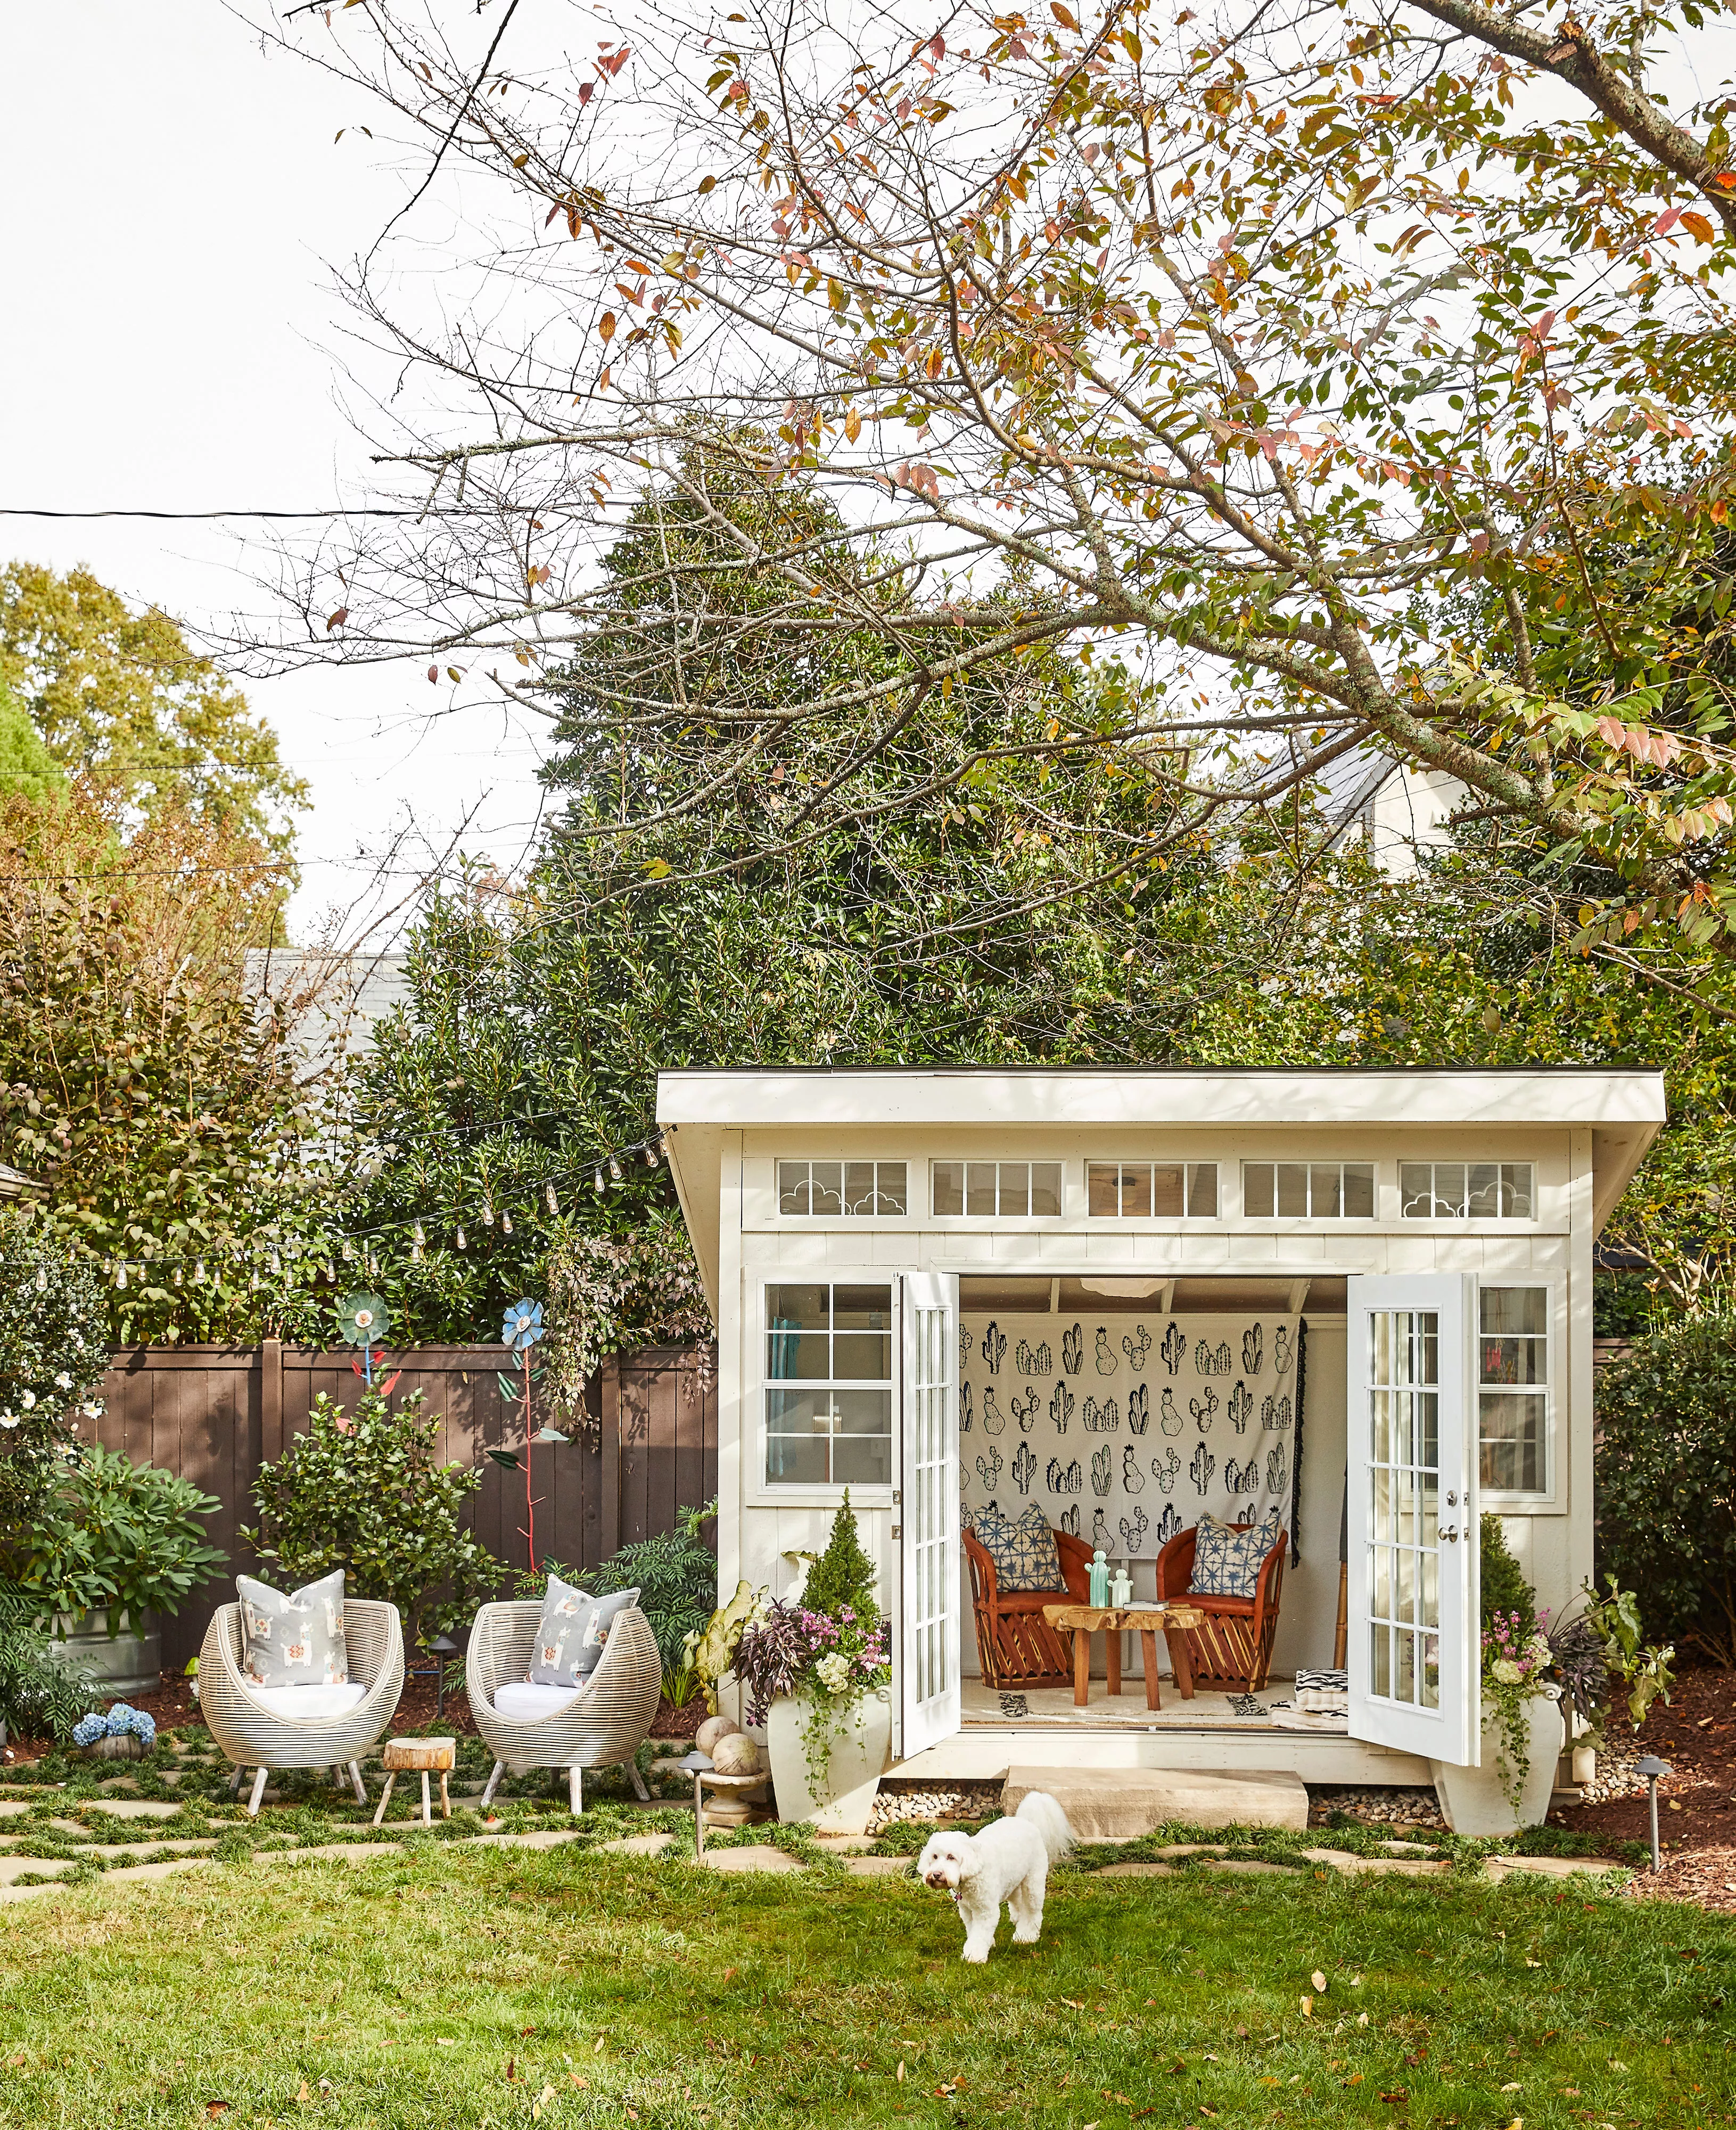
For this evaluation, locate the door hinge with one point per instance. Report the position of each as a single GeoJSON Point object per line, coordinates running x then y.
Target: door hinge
{"type": "Point", "coordinates": [898, 1531]}
{"type": "Point", "coordinates": [897, 1497]}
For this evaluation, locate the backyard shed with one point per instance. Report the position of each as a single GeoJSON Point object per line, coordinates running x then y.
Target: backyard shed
{"type": "Point", "coordinates": [1353, 1306]}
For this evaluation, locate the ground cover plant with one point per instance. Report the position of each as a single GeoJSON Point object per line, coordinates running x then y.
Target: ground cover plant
{"type": "Point", "coordinates": [569, 1987]}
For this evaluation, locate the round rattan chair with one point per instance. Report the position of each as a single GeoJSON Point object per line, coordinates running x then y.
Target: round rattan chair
{"type": "Point", "coordinates": [603, 1726]}
{"type": "Point", "coordinates": [255, 1736]}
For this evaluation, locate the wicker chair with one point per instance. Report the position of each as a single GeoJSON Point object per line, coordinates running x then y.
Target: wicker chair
{"type": "Point", "coordinates": [1233, 1645]}
{"type": "Point", "coordinates": [254, 1735]}
{"type": "Point", "coordinates": [603, 1726]}
{"type": "Point", "coordinates": [1015, 1646]}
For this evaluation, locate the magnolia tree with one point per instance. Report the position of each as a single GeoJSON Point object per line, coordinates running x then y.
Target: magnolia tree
{"type": "Point", "coordinates": [1315, 379]}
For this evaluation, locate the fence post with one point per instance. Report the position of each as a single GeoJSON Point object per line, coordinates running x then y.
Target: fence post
{"type": "Point", "coordinates": [271, 1401]}
{"type": "Point", "coordinates": [611, 1372]}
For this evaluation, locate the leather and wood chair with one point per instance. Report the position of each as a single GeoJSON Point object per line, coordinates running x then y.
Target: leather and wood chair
{"type": "Point", "coordinates": [1015, 1646]}
{"type": "Point", "coordinates": [1232, 1647]}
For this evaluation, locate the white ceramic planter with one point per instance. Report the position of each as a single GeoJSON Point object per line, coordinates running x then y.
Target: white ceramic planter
{"type": "Point", "coordinates": [1474, 1801]}
{"type": "Point", "coordinates": [129, 1662]}
{"type": "Point", "coordinates": [860, 1750]}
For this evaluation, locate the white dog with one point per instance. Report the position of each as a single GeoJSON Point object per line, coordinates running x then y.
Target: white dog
{"type": "Point", "coordinates": [1007, 1862]}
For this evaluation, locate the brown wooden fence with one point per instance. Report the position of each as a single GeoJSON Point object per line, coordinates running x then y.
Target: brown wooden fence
{"type": "Point", "coordinates": [215, 1414]}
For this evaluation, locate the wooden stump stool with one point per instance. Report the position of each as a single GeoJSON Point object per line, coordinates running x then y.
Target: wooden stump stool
{"type": "Point", "coordinates": [428, 1756]}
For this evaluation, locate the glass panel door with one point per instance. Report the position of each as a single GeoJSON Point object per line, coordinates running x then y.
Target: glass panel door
{"type": "Point", "coordinates": [1412, 1529]}
{"type": "Point", "coordinates": [926, 1675]}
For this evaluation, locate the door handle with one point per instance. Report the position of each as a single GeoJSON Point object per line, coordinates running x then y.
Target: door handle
{"type": "Point", "coordinates": [1450, 1533]}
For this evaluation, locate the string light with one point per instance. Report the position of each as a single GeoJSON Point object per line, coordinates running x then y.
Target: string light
{"type": "Point", "coordinates": [199, 1273]}
{"type": "Point", "coordinates": [614, 1170]}
{"type": "Point", "coordinates": [650, 1154]}
{"type": "Point", "coordinates": [506, 1222]}
{"type": "Point", "coordinates": [41, 1280]}
{"type": "Point", "coordinates": [416, 1243]}
{"type": "Point", "coordinates": [120, 1277]}
{"type": "Point", "coordinates": [597, 1183]}
{"type": "Point", "coordinates": [488, 1214]}
{"type": "Point", "coordinates": [551, 1201]}
{"type": "Point", "coordinates": [460, 1239]}
{"type": "Point", "coordinates": [349, 1251]}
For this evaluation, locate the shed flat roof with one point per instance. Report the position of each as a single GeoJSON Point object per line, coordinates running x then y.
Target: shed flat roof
{"type": "Point", "coordinates": [1624, 1109]}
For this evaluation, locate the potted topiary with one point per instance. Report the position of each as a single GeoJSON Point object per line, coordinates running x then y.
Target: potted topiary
{"type": "Point", "coordinates": [114, 1545]}
{"type": "Point", "coordinates": [817, 1672]}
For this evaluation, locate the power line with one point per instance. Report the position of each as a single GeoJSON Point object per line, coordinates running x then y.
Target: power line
{"type": "Point", "coordinates": [178, 517]}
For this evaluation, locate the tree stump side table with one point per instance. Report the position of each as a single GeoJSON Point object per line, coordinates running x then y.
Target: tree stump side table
{"type": "Point", "coordinates": [424, 1756]}
{"type": "Point", "coordinates": [1082, 1621]}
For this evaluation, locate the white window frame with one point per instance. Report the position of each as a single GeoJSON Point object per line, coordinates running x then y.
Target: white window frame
{"type": "Point", "coordinates": [1502, 1501]}
{"type": "Point", "coordinates": [1461, 1222]}
{"type": "Point", "coordinates": [764, 1493]}
{"type": "Point", "coordinates": [1355, 1222]}
{"type": "Point", "coordinates": [1150, 1162]}
{"type": "Point", "coordinates": [843, 1160]}
{"type": "Point", "coordinates": [999, 1219]}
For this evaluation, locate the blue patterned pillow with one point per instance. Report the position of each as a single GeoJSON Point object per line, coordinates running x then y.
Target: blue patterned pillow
{"type": "Point", "coordinates": [1227, 1562]}
{"type": "Point", "coordinates": [1025, 1555]}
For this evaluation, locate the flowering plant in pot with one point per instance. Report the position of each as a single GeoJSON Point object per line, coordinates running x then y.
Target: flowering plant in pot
{"type": "Point", "coordinates": [816, 1669]}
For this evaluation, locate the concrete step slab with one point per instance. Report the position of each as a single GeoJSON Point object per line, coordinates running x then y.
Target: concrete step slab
{"type": "Point", "coordinates": [21, 1867]}
{"type": "Point", "coordinates": [1135, 1867]}
{"type": "Point", "coordinates": [749, 1859]}
{"type": "Point", "coordinates": [1249, 1865]}
{"type": "Point", "coordinates": [636, 1845]}
{"type": "Point", "coordinates": [1121, 1804]}
{"type": "Point", "coordinates": [1342, 1860]}
{"type": "Point", "coordinates": [879, 1867]}
{"type": "Point", "coordinates": [1552, 1867]}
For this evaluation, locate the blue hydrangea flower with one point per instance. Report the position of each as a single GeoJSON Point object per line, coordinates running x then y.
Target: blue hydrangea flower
{"type": "Point", "coordinates": [88, 1729]}
{"type": "Point", "coordinates": [522, 1325]}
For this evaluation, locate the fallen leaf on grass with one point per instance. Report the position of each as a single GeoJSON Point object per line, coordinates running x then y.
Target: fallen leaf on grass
{"type": "Point", "coordinates": [1514, 2087]}
{"type": "Point", "coordinates": [1308, 2008]}
{"type": "Point", "coordinates": [1355, 2079]}
{"type": "Point", "coordinates": [900, 2073]}
{"type": "Point", "coordinates": [303, 2094]}
{"type": "Point", "coordinates": [1319, 1982]}
{"type": "Point", "coordinates": [1398, 2099]}
{"type": "Point", "coordinates": [1074, 2002]}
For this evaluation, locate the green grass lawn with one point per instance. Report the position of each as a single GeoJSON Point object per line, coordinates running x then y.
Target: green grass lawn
{"type": "Point", "coordinates": [440, 1986]}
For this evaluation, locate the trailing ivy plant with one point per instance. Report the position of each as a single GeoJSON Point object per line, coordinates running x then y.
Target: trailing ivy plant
{"type": "Point", "coordinates": [54, 1352]}
{"type": "Point", "coordinates": [366, 1491]}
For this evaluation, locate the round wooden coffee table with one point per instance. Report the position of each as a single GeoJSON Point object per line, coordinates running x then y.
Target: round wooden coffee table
{"type": "Point", "coordinates": [1082, 1621]}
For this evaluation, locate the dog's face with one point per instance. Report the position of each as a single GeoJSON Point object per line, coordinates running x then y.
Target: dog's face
{"type": "Point", "coordinates": [945, 1861]}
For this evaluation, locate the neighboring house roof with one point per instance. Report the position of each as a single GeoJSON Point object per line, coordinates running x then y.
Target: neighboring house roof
{"type": "Point", "coordinates": [337, 1000]}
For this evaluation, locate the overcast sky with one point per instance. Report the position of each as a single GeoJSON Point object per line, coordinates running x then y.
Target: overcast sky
{"type": "Point", "coordinates": [172, 197]}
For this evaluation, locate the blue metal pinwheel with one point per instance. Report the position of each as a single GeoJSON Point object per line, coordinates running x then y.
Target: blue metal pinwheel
{"type": "Point", "coordinates": [522, 1325]}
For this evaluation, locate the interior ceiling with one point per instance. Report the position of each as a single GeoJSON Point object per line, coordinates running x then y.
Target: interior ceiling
{"type": "Point", "coordinates": [1225, 1294]}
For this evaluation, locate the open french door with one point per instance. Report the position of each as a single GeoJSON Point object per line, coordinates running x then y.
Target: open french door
{"type": "Point", "coordinates": [1415, 1663]}
{"type": "Point", "coordinates": [925, 1706]}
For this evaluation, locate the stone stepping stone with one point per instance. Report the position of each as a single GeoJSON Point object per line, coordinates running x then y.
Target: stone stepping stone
{"type": "Point", "coordinates": [1342, 1860]}
{"type": "Point", "coordinates": [14, 1808]}
{"type": "Point", "coordinates": [137, 1807]}
{"type": "Point", "coordinates": [19, 1867]}
{"type": "Point", "coordinates": [636, 1845]}
{"type": "Point", "coordinates": [1121, 1804]}
{"type": "Point", "coordinates": [845, 1845]}
{"type": "Point", "coordinates": [1135, 1867]}
{"type": "Point", "coordinates": [879, 1867]}
{"type": "Point", "coordinates": [166, 1869]}
{"type": "Point", "coordinates": [749, 1859]}
{"type": "Point", "coordinates": [1246, 1864]}
{"type": "Point", "coordinates": [111, 1850]}
{"type": "Point", "coordinates": [1552, 1867]}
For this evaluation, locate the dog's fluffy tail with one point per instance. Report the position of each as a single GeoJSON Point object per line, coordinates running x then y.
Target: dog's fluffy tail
{"type": "Point", "coordinates": [1042, 1812]}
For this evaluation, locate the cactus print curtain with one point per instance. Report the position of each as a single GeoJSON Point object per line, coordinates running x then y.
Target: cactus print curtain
{"type": "Point", "coordinates": [1126, 1429]}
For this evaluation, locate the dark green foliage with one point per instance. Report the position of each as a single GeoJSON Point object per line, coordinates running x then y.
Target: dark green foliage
{"type": "Point", "coordinates": [1505, 1588]}
{"type": "Point", "coordinates": [1667, 1480]}
{"type": "Point", "coordinates": [118, 1534]}
{"type": "Point", "coordinates": [366, 1491]}
{"type": "Point", "coordinates": [40, 1696]}
{"type": "Point", "coordinates": [843, 1575]}
{"type": "Point", "coordinates": [54, 1351]}
{"type": "Point", "coordinates": [676, 1575]}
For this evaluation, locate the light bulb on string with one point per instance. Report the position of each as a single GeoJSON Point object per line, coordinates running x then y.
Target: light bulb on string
{"type": "Point", "coordinates": [349, 1251]}
{"type": "Point", "coordinates": [121, 1276]}
{"type": "Point", "coordinates": [506, 1222]}
{"type": "Point", "coordinates": [614, 1170]}
{"type": "Point", "coordinates": [274, 1262]}
{"type": "Point", "coordinates": [488, 1214]}
{"type": "Point", "coordinates": [254, 1284]}
{"type": "Point", "coordinates": [597, 1182]}
{"type": "Point", "coordinates": [41, 1280]}
{"type": "Point", "coordinates": [650, 1154]}
{"type": "Point", "coordinates": [199, 1273]}
{"type": "Point", "coordinates": [460, 1239]}
{"type": "Point", "coordinates": [551, 1201]}
{"type": "Point", "coordinates": [177, 1275]}
{"type": "Point", "coordinates": [416, 1240]}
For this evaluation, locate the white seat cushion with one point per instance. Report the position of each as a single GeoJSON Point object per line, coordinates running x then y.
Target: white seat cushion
{"type": "Point", "coordinates": [309, 1704]}
{"type": "Point", "coordinates": [521, 1702]}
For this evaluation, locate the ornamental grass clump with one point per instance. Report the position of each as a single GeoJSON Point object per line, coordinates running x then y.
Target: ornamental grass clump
{"type": "Point", "coordinates": [829, 1647]}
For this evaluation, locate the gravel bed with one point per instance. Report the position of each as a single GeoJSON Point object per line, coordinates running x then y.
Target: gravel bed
{"type": "Point", "coordinates": [950, 1801]}
{"type": "Point", "coordinates": [1378, 1806]}
{"type": "Point", "coordinates": [1616, 1763]}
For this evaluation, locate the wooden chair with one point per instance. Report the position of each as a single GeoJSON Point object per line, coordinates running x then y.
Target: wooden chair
{"type": "Point", "coordinates": [1015, 1646]}
{"type": "Point", "coordinates": [1232, 1647]}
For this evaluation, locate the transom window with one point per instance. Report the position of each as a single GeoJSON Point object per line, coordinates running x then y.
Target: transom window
{"type": "Point", "coordinates": [1308, 1190]}
{"type": "Point", "coordinates": [841, 1188]}
{"type": "Point", "coordinates": [1465, 1190]}
{"type": "Point", "coordinates": [828, 1385]}
{"type": "Point", "coordinates": [1152, 1190]}
{"type": "Point", "coordinates": [1020, 1190]}
{"type": "Point", "coordinates": [1513, 1389]}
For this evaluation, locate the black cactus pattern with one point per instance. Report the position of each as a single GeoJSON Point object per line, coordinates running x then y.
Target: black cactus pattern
{"type": "Point", "coordinates": [1137, 1351]}
{"type": "Point", "coordinates": [1102, 1470]}
{"type": "Point", "coordinates": [1201, 1470]}
{"type": "Point", "coordinates": [1169, 1418]}
{"type": "Point", "coordinates": [1068, 1522]}
{"type": "Point", "coordinates": [1139, 1409]}
{"type": "Point", "coordinates": [1033, 1360]}
{"type": "Point", "coordinates": [994, 1420]}
{"type": "Point", "coordinates": [1277, 1469]}
{"type": "Point", "coordinates": [1024, 1410]}
{"type": "Point", "coordinates": [1107, 1364]}
{"type": "Point", "coordinates": [1167, 1470]}
{"type": "Point", "coordinates": [1242, 1478]}
{"type": "Point", "coordinates": [1212, 1360]}
{"type": "Point", "coordinates": [1024, 1467]}
{"type": "Point", "coordinates": [1204, 1406]}
{"type": "Point", "coordinates": [1169, 1526]}
{"type": "Point", "coordinates": [1133, 1535]}
{"type": "Point", "coordinates": [1061, 1408]}
{"type": "Point", "coordinates": [1072, 1349]}
{"type": "Point", "coordinates": [1253, 1345]}
{"type": "Point", "coordinates": [1099, 1531]}
{"type": "Point", "coordinates": [1065, 1479]}
{"type": "Point", "coordinates": [994, 1347]}
{"type": "Point", "coordinates": [1174, 1349]}
{"type": "Point", "coordinates": [1275, 1415]}
{"type": "Point", "coordinates": [1132, 1479]}
{"type": "Point", "coordinates": [1284, 1351]}
{"type": "Point", "coordinates": [989, 1468]}
{"type": "Point", "coordinates": [966, 1407]}
{"type": "Point", "coordinates": [1241, 1408]}
{"type": "Point", "coordinates": [1104, 1419]}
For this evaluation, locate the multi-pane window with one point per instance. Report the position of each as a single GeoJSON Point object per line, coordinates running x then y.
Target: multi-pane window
{"type": "Point", "coordinates": [1152, 1190]}
{"type": "Point", "coordinates": [1022, 1190]}
{"type": "Point", "coordinates": [841, 1187]}
{"type": "Point", "coordinates": [1513, 1389]}
{"type": "Point", "coordinates": [1308, 1190]}
{"type": "Point", "coordinates": [1465, 1190]}
{"type": "Point", "coordinates": [1404, 1476]}
{"type": "Point", "coordinates": [828, 1385]}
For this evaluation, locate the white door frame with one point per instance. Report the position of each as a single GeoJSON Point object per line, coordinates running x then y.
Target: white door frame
{"type": "Point", "coordinates": [1411, 1548]}
{"type": "Point", "coordinates": [926, 1691]}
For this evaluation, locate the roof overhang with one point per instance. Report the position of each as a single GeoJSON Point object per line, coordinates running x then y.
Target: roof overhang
{"type": "Point", "coordinates": [1624, 1111]}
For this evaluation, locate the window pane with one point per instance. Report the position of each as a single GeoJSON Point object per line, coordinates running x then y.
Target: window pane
{"type": "Point", "coordinates": [1516, 1190]}
{"type": "Point", "coordinates": [1292, 1191]}
{"type": "Point", "coordinates": [863, 1412]}
{"type": "Point", "coordinates": [799, 1308]}
{"type": "Point", "coordinates": [1359, 1191]}
{"type": "Point", "coordinates": [1045, 1190]}
{"type": "Point", "coordinates": [949, 1188]}
{"type": "Point", "coordinates": [861, 1460]}
{"type": "Point", "coordinates": [1520, 1309]}
{"type": "Point", "coordinates": [1102, 1190]}
{"type": "Point", "coordinates": [792, 1186]}
{"type": "Point", "coordinates": [861, 1308]}
{"type": "Point", "coordinates": [1167, 1190]}
{"type": "Point", "coordinates": [828, 1188]}
{"type": "Point", "coordinates": [980, 1190]}
{"type": "Point", "coordinates": [799, 1412]}
{"type": "Point", "coordinates": [1257, 1190]}
{"type": "Point", "coordinates": [1202, 1190]}
{"type": "Point", "coordinates": [1323, 1189]}
{"type": "Point", "coordinates": [1136, 1193]}
{"type": "Point", "coordinates": [796, 1460]}
{"type": "Point", "coordinates": [1449, 1190]}
{"type": "Point", "coordinates": [1483, 1191]}
{"type": "Point", "coordinates": [861, 1357]}
{"type": "Point", "coordinates": [858, 1186]}
{"type": "Point", "coordinates": [889, 1186]}
{"type": "Point", "coordinates": [1511, 1425]}
{"type": "Point", "coordinates": [1416, 1190]}
{"type": "Point", "coordinates": [1015, 1188]}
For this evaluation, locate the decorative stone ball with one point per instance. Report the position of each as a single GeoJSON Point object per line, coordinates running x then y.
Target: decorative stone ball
{"type": "Point", "coordinates": [737, 1755]}
{"type": "Point", "coordinates": [713, 1728]}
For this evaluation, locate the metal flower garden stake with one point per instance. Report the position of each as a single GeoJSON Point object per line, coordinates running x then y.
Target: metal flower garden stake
{"type": "Point", "coordinates": [521, 1328]}
{"type": "Point", "coordinates": [361, 1319]}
